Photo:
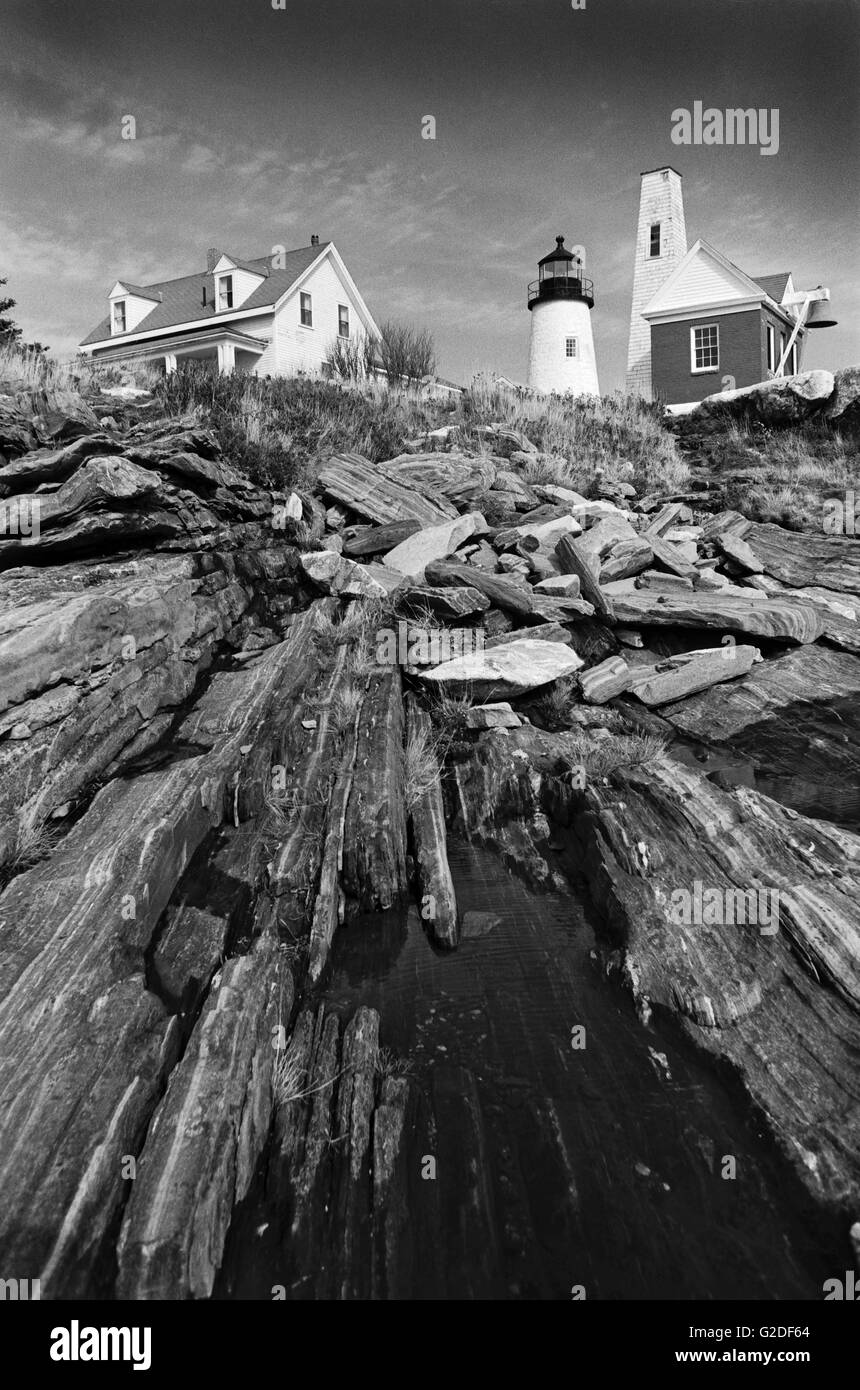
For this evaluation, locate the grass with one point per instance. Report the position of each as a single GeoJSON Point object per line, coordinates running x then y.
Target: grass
{"type": "Point", "coordinates": [279, 430]}
{"type": "Point", "coordinates": [387, 1063]}
{"type": "Point", "coordinates": [601, 757]}
{"type": "Point", "coordinates": [784, 475]}
{"type": "Point", "coordinates": [423, 754]}
{"type": "Point", "coordinates": [36, 375]}
{"type": "Point", "coordinates": [554, 707]}
{"type": "Point", "coordinates": [449, 713]}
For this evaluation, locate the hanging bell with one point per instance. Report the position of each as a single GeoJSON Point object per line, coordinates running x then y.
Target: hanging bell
{"type": "Point", "coordinates": [820, 315]}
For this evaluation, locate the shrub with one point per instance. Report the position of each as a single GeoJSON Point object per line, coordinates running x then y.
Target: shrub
{"type": "Point", "coordinates": [404, 353]}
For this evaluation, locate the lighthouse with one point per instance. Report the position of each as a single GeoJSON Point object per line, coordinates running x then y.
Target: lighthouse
{"type": "Point", "coordinates": [561, 348]}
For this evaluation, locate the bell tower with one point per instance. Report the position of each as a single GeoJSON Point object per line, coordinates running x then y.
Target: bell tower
{"type": "Point", "coordinates": [561, 348]}
{"type": "Point", "coordinates": [661, 242]}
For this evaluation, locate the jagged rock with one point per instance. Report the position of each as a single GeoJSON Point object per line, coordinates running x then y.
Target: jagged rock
{"type": "Point", "coordinates": [843, 407]}
{"type": "Point", "coordinates": [780, 1009]}
{"type": "Point", "coordinates": [375, 540]}
{"type": "Point", "coordinates": [663, 583]}
{"type": "Point", "coordinates": [510, 669]}
{"type": "Point", "coordinates": [672, 560]}
{"type": "Point", "coordinates": [445, 603]}
{"type": "Point", "coordinates": [602, 682]}
{"type": "Point", "coordinates": [461, 480]}
{"type": "Point", "coordinates": [207, 1134]}
{"type": "Point", "coordinates": [509, 594]}
{"type": "Point", "coordinates": [498, 716]}
{"type": "Point", "coordinates": [336, 575]}
{"type": "Point", "coordinates": [360, 485]}
{"type": "Point", "coordinates": [374, 835]}
{"type": "Point", "coordinates": [625, 559]}
{"type": "Point", "coordinates": [438, 900]}
{"type": "Point", "coordinates": [566, 585]}
{"type": "Point", "coordinates": [412, 556]}
{"type": "Point", "coordinates": [667, 517]}
{"type": "Point", "coordinates": [741, 553]}
{"type": "Point", "coordinates": [785, 620]}
{"type": "Point", "coordinates": [689, 672]}
{"type": "Point", "coordinates": [546, 534]}
{"type": "Point", "coordinates": [573, 560]}
{"type": "Point", "coordinates": [803, 558]}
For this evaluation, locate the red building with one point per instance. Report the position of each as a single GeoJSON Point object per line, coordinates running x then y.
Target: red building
{"type": "Point", "coordinates": [711, 321]}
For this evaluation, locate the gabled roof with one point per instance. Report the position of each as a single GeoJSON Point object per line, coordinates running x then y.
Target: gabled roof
{"type": "Point", "coordinates": [182, 300]}
{"type": "Point", "coordinates": [704, 278]}
{"type": "Point", "coordinates": [252, 266]}
{"type": "Point", "coordinates": [139, 291]}
{"type": "Point", "coordinates": [774, 285]}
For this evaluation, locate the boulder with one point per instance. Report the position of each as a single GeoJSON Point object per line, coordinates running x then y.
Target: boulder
{"type": "Point", "coordinates": [510, 669]}
{"type": "Point", "coordinates": [844, 405]}
{"type": "Point", "coordinates": [412, 555]}
{"type": "Point", "coordinates": [781, 401]}
{"type": "Point", "coordinates": [334, 574]}
{"type": "Point", "coordinates": [498, 716]}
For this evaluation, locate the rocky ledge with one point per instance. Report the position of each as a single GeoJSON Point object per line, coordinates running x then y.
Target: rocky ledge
{"type": "Point", "coordinates": [233, 720]}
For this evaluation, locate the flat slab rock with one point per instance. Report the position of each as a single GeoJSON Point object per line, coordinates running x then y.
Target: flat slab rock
{"type": "Point", "coordinates": [679, 676]}
{"type": "Point", "coordinates": [359, 484]}
{"type": "Point", "coordinates": [510, 669]}
{"type": "Point", "coordinates": [412, 556]}
{"type": "Point", "coordinates": [783, 619]}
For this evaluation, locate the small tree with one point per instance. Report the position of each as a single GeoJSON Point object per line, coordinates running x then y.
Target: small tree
{"type": "Point", "coordinates": [346, 359]}
{"type": "Point", "coordinates": [9, 330]}
{"type": "Point", "coordinates": [10, 333]}
{"type": "Point", "coordinates": [404, 353]}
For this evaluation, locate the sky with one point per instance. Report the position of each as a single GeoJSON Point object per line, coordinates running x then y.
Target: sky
{"type": "Point", "coordinates": [257, 127]}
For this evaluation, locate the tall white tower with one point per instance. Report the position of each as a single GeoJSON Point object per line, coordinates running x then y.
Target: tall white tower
{"type": "Point", "coordinates": [661, 242]}
{"type": "Point", "coordinates": [561, 348]}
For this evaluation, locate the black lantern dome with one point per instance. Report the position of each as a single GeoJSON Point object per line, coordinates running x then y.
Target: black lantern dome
{"type": "Point", "coordinates": [560, 277]}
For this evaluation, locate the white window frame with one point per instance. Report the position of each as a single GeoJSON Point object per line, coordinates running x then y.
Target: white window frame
{"type": "Point", "coordinates": [225, 291]}
{"type": "Point", "coordinates": [119, 308]}
{"type": "Point", "coordinates": [571, 351]}
{"type": "Point", "coordinates": [650, 256]}
{"type": "Point", "coordinates": [342, 313]}
{"type": "Point", "coordinates": [771, 348]}
{"type": "Point", "coordinates": [699, 328]}
{"type": "Point", "coordinates": [305, 295]}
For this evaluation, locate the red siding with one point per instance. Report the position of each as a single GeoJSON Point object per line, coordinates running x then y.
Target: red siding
{"type": "Point", "coordinates": [743, 354]}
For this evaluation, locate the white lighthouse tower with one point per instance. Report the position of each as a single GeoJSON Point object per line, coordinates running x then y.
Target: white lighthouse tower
{"type": "Point", "coordinates": [561, 349]}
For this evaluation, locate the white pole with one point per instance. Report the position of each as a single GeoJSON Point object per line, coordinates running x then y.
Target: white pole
{"type": "Point", "coordinates": [801, 319]}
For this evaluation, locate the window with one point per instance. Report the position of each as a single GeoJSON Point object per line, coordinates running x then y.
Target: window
{"type": "Point", "coordinates": [705, 348]}
{"type": "Point", "coordinates": [570, 347]}
{"type": "Point", "coordinates": [307, 312]}
{"type": "Point", "coordinates": [342, 321]}
{"type": "Point", "coordinates": [119, 317]}
{"type": "Point", "coordinates": [781, 348]}
{"type": "Point", "coordinates": [655, 239]}
{"type": "Point", "coordinates": [792, 359]}
{"type": "Point", "coordinates": [225, 292]}
{"type": "Point", "coordinates": [771, 348]}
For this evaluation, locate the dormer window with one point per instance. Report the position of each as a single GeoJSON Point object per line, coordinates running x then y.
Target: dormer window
{"type": "Point", "coordinates": [225, 292]}
{"type": "Point", "coordinates": [119, 316]}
